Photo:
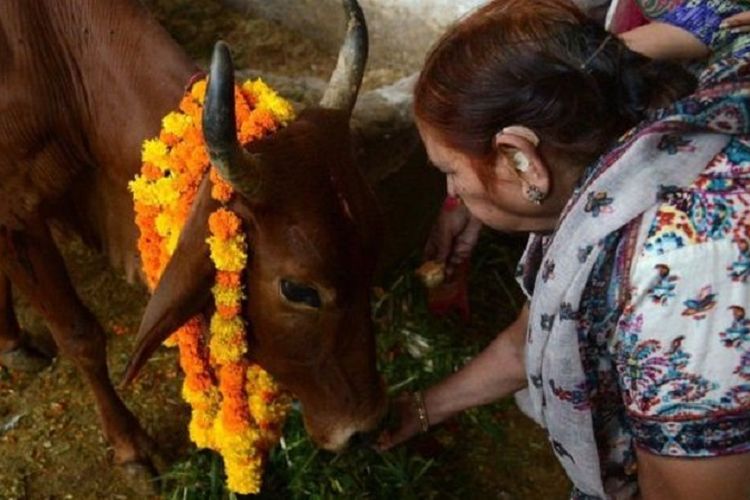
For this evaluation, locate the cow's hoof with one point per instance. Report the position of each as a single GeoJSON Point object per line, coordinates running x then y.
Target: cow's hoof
{"type": "Point", "coordinates": [24, 358]}
{"type": "Point", "coordinates": [141, 478]}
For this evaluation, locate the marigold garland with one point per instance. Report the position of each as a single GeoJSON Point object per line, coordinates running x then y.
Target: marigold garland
{"type": "Point", "coordinates": [237, 408]}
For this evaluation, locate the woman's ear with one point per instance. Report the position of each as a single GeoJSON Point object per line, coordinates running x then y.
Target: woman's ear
{"type": "Point", "coordinates": [516, 149]}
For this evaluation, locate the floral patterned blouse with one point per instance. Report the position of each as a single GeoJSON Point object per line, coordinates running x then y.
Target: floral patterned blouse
{"type": "Point", "coordinates": [664, 322]}
{"type": "Point", "coordinates": [681, 349]}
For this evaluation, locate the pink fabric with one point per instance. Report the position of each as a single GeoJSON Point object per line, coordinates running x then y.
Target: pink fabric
{"type": "Point", "coordinates": [453, 295]}
{"type": "Point", "coordinates": [451, 203]}
{"type": "Point", "coordinates": [627, 16]}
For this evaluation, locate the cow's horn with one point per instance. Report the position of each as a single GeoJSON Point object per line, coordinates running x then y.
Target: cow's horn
{"type": "Point", "coordinates": [238, 167]}
{"type": "Point", "coordinates": [347, 77]}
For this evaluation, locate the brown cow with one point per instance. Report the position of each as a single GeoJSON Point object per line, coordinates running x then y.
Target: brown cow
{"type": "Point", "coordinates": [82, 83]}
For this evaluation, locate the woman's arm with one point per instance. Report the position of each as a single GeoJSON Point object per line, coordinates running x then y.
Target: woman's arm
{"type": "Point", "coordinates": [496, 372]}
{"type": "Point", "coordinates": [665, 42]}
{"type": "Point", "coordinates": [688, 32]}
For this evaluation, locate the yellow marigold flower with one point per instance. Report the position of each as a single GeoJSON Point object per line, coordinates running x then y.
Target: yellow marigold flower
{"type": "Point", "coordinates": [198, 90]}
{"type": "Point", "coordinates": [200, 433]}
{"type": "Point", "coordinates": [205, 409]}
{"type": "Point", "coordinates": [163, 224]}
{"type": "Point", "coordinates": [228, 255]}
{"type": "Point", "coordinates": [268, 406]}
{"type": "Point", "coordinates": [163, 192]}
{"type": "Point", "coordinates": [228, 343]}
{"type": "Point", "coordinates": [226, 327]}
{"type": "Point", "coordinates": [138, 187]}
{"type": "Point", "coordinates": [205, 399]}
{"type": "Point", "coordinates": [227, 295]}
{"type": "Point", "coordinates": [242, 460]}
{"type": "Point", "coordinates": [245, 479]}
{"type": "Point", "coordinates": [171, 243]}
{"type": "Point", "coordinates": [259, 408]}
{"type": "Point", "coordinates": [236, 446]}
{"type": "Point", "coordinates": [261, 379]}
{"type": "Point", "coordinates": [267, 98]}
{"type": "Point", "coordinates": [176, 123]}
{"type": "Point", "coordinates": [155, 152]}
{"type": "Point", "coordinates": [228, 349]}
{"type": "Point", "coordinates": [159, 192]}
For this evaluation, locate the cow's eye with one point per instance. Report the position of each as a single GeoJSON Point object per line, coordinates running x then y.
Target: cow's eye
{"type": "Point", "coordinates": [300, 294]}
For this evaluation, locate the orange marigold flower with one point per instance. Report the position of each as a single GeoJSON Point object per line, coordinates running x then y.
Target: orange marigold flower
{"type": "Point", "coordinates": [234, 409]}
{"type": "Point", "coordinates": [194, 138]}
{"type": "Point", "coordinates": [228, 312]}
{"type": "Point", "coordinates": [194, 356]}
{"type": "Point", "coordinates": [151, 172]}
{"type": "Point", "coordinates": [224, 224]}
{"type": "Point", "coordinates": [221, 190]}
{"type": "Point", "coordinates": [168, 139]}
{"type": "Point", "coordinates": [264, 118]}
{"type": "Point", "coordinates": [190, 107]}
{"type": "Point", "coordinates": [228, 279]}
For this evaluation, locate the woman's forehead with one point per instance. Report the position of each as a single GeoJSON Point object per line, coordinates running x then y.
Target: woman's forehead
{"type": "Point", "coordinates": [437, 150]}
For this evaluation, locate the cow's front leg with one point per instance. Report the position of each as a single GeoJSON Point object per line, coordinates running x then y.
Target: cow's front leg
{"type": "Point", "coordinates": [16, 353]}
{"type": "Point", "coordinates": [33, 263]}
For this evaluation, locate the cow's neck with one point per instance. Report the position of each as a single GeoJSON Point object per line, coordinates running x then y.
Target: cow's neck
{"type": "Point", "coordinates": [130, 73]}
{"type": "Point", "coordinates": [125, 74]}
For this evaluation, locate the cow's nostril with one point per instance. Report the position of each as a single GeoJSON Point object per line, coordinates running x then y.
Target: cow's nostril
{"type": "Point", "coordinates": [362, 440]}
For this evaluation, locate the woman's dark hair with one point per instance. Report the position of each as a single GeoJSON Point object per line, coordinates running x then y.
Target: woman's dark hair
{"type": "Point", "coordinates": [545, 65]}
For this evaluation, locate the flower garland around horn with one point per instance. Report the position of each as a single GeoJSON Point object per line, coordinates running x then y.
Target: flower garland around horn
{"type": "Point", "coordinates": [237, 409]}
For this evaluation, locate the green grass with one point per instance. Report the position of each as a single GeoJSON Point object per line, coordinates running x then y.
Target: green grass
{"type": "Point", "coordinates": [415, 349]}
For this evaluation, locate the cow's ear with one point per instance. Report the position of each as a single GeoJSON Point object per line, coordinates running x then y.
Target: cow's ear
{"type": "Point", "coordinates": [185, 286]}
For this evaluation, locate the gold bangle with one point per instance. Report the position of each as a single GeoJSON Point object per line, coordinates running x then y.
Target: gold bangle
{"type": "Point", "coordinates": [424, 421]}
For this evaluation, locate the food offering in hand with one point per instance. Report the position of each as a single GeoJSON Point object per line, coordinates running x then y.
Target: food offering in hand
{"type": "Point", "coordinates": [431, 273]}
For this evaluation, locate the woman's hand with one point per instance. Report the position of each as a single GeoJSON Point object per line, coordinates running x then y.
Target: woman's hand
{"type": "Point", "coordinates": [738, 22]}
{"type": "Point", "coordinates": [453, 236]}
{"type": "Point", "coordinates": [407, 423]}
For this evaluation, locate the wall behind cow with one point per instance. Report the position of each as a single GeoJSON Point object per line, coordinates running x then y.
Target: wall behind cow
{"type": "Point", "coordinates": [402, 31]}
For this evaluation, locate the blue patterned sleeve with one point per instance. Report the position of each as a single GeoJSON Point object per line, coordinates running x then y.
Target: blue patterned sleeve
{"type": "Point", "coordinates": [702, 18]}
